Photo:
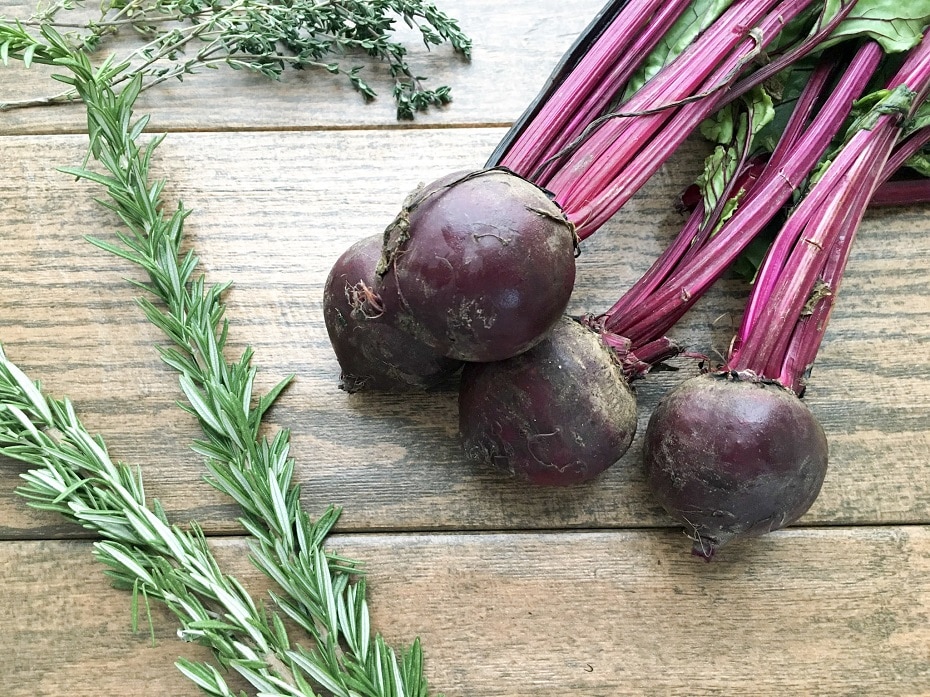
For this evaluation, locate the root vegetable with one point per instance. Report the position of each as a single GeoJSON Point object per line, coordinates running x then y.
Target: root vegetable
{"type": "Point", "coordinates": [484, 262]}
{"type": "Point", "coordinates": [559, 414]}
{"type": "Point", "coordinates": [734, 456]}
{"type": "Point", "coordinates": [727, 458]}
{"type": "Point", "coordinates": [372, 336]}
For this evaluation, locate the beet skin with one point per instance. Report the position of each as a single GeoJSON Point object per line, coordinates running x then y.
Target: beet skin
{"type": "Point", "coordinates": [732, 457]}
{"type": "Point", "coordinates": [370, 332]}
{"type": "Point", "coordinates": [484, 261]}
{"type": "Point", "coordinates": [558, 414]}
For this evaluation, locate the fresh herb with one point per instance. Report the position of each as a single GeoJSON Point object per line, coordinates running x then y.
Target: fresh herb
{"type": "Point", "coordinates": [158, 561]}
{"type": "Point", "coordinates": [323, 594]}
{"type": "Point", "coordinates": [183, 37]}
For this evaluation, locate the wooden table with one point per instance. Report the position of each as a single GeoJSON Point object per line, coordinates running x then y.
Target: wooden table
{"type": "Point", "coordinates": [514, 591]}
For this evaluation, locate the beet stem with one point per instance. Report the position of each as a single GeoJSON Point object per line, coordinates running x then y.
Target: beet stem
{"type": "Point", "coordinates": [816, 240]}
{"type": "Point", "coordinates": [772, 190]}
{"type": "Point", "coordinates": [612, 163]}
{"type": "Point", "coordinates": [614, 320]}
{"type": "Point", "coordinates": [768, 71]}
{"type": "Point", "coordinates": [599, 75]}
{"type": "Point", "coordinates": [569, 63]}
{"type": "Point", "coordinates": [902, 193]}
{"type": "Point", "coordinates": [808, 335]}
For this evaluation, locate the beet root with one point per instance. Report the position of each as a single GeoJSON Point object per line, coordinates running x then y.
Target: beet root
{"type": "Point", "coordinates": [732, 457]}
{"type": "Point", "coordinates": [484, 261]}
{"type": "Point", "coordinates": [558, 414]}
{"type": "Point", "coordinates": [369, 329]}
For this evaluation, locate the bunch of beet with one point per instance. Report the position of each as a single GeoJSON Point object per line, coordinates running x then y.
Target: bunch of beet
{"type": "Point", "coordinates": [471, 279]}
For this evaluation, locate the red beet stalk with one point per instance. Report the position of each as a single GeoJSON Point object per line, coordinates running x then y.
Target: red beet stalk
{"type": "Point", "coordinates": [777, 338]}
{"type": "Point", "coordinates": [685, 271]}
{"type": "Point", "coordinates": [562, 412]}
{"type": "Point", "coordinates": [735, 452]}
{"type": "Point", "coordinates": [585, 93]}
{"type": "Point", "coordinates": [616, 155]}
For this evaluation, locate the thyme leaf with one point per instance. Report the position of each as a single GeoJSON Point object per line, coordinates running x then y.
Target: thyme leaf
{"type": "Point", "coordinates": [183, 37]}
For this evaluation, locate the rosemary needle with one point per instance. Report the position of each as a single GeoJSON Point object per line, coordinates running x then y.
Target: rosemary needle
{"type": "Point", "coordinates": [322, 593]}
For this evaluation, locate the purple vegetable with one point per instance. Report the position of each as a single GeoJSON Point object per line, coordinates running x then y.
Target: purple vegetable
{"type": "Point", "coordinates": [485, 262]}
{"type": "Point", "coordinates": [732, 456]}
{"type": "Point", "coordinates": [632, 334]}
{"type": "Point", "coordinates": [560, 413]}
{"type": "Point", "coordinates": [371, 334]}
{"type": "Point", "coordinates": [736, 453]}
{"type": "Point", "coordinates": [474, 294]}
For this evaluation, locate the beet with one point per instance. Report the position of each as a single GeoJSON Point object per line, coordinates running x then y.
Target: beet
{"type": "Point", "coordinates": [558, 414]}
{"type": "Point", "coordinates": [370, 331]}
{"type": "Point", "coordinates": [484, 262]}
{"type": "Point", "coordinates": [732, 457]}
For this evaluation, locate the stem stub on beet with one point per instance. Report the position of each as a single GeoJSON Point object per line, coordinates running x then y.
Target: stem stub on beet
{"type": "Point", "coordinates": [732, 457]}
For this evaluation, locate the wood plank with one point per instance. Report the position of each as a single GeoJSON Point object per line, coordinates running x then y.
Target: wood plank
{"type": "Point", "coordinates": [68, 318]}
{"type": "Point", "coordinates": [516, 46]}
{"type": "Point", "coordinates": [817, 611]}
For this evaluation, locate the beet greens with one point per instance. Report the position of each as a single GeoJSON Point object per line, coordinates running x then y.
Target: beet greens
{"type": "Point", "coordinates": [463, 257]}
{"type": "Point", "coordinates": [497, 418]}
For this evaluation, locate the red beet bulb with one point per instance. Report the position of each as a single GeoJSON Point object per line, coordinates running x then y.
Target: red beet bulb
{"type": "Point", "coordinates": [371, 334]}
{"type": "Point", "coordinates": [484, 261]}
{"type": "Point", "coordinates": [561, 413]}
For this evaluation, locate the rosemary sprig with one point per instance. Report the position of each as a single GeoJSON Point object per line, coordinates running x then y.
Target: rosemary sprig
{"type": "Point", "coordinates": [182, 37]}
{"type": "Point", "coordinates": [321, 593]}
{"type": "Point", "coordinates": [156, 560]}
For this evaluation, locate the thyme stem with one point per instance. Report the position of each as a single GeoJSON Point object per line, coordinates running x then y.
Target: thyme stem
{"type": "Point", "coordinates": [276, 34]}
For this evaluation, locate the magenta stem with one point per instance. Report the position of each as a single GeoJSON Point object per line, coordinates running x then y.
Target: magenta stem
{"type": "Point", "coordinates": [677, 81]}
{"type": "Point", "coordinates": [773, 189]}
{"type": "Point", "coordinates": [691, 238]}
{"type": "Point", "coordinates": [905, 150]}
{"type": "Point", "coordinates": [908, 192]}
{"type": "Point", "coordinates": [779, 63]}
{"type": "Point", "coordinates": [809, 331]}
{"type": "Point", "coordinates": [613, 84]}
{"type": "Point", "coordinates": [804, 109]}
{"type": "Point", "coordinates": [614, 161]}
{"type": "Point", "coordinates": [786, 143]}
{"type": "Point", "coordinates": [776, 258]}
{"type": "Point", "coordinates": [665, 265]}
{"type": "Point", "coordinates": [812, 231]}
{"type": "Point", "coordinates": [590, 82]}
{"type": "Point", "coordinates": [808, 335]}
{"type": "Point", "coordinates": [763, 351]}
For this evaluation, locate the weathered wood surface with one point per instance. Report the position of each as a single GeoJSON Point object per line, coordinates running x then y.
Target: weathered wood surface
{"type": "Point", "coordinates": [281, 178]}
{"type": "Point", "coordinates": [825, 612]}
{"type": "Point", "coordinates": [274, 210]}
{"type": "Point", "coordinates": [516, 44]}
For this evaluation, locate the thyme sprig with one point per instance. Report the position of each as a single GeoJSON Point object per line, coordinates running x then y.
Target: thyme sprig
{"type": "Point", "coordinates": [183, 37]}
{"type": "Point", "coordinates": [323, 594]}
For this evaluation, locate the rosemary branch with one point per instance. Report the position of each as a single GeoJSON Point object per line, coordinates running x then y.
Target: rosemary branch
{"type": "Point", "coordinates": [322, 593]}
{"type": "Point", "coordinates": [143, 552]}
{"type": "Point", "coordinates": [263, 36]}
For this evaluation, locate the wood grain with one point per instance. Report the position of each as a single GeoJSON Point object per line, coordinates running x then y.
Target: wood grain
{"type": "Point", "coordinates": [517, 44]}
{"type": "Point", "coordinates": [820, 611]}
{"type": "Point", "coordinates": [272, 212]}
{"type": "Point", "coordinates": [587, 591]}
